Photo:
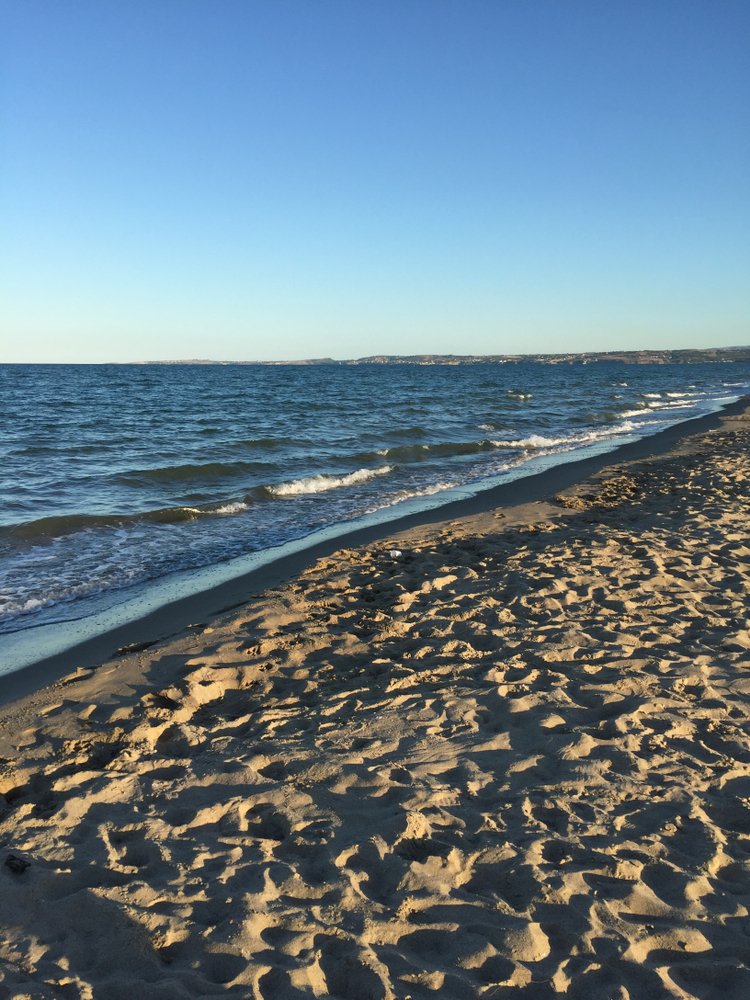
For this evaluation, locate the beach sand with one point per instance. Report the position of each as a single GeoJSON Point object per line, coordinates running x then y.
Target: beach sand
{"type": "Point", "coordinates": [501, 756]}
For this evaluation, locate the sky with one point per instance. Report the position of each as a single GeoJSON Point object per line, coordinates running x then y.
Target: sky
{"type": "Point", "coordinates": [278, 179]}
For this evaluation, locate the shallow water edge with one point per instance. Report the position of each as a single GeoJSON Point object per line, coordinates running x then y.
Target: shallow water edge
{"type": "Point", "coordinates": [34, 661]}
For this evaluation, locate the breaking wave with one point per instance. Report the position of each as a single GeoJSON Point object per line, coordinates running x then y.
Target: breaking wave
{"type": "Point", "coordinates": [323, 483]}
{"type": "Point", "coordinates": [538, 441]}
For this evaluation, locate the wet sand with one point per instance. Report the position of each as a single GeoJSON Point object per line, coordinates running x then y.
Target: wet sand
{"type": "Point", "coordinates": [500, 755]}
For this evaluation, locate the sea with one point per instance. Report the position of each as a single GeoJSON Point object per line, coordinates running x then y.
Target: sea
{"type": "Point", "coordinates": [122, 486]}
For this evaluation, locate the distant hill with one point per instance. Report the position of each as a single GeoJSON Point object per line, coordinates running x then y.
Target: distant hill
{"type": "Point", "coordinates": [688, 356]}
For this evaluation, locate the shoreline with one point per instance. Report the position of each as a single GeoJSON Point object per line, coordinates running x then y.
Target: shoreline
{"type": "Point", "coordinates": [509, 759]}
{"type": "Point", "coordinates": [174, 617]}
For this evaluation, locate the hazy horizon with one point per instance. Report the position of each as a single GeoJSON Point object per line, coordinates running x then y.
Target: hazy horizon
{"type": "Point", "coordinates": [356, 358]}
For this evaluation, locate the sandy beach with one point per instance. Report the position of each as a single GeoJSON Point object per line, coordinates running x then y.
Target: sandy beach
{"type": "Point", "coordinates": [499, 756]}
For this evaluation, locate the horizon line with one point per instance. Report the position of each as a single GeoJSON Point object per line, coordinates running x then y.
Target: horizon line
{"type": "Point", "coordinates": [420, 357]}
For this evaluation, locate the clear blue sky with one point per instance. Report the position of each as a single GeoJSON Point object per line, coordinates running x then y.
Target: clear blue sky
{"type": "Point", "coordinates": [238, 179]}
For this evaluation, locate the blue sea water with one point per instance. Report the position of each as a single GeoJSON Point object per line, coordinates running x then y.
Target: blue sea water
{"type": "Point", "coordinates": [113, 476]}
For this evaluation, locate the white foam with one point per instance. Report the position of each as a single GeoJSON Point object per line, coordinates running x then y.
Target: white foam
{"type": "Point", "coordinates": [31, 604]}
{"type": "Point", "coordinates": [659, 406]}
{"type": "Point", "coordinates": [670, 404]}
{"type": "Point", "coordinates": [539, 441]}
{"type": "Point", "coordinates": [533, 441]}
{"type": "Point", "coordinates": [231, 508]}
{"type": "Point", "coordinates": [322, 483]}
{"type": "Point", "coordinates": [424, 491]}
{"type": "Point", "coordinates": [428, 491]}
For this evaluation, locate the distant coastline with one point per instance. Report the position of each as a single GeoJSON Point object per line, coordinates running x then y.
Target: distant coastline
{"type": "Point", "coordinates": [716, 355]}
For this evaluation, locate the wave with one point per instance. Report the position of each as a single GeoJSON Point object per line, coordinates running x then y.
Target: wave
{"type": "Point", "coordinates": [639, 411]}
{"type": "Point", "coordinates": [536, 441]}
{"type": "Point", "coordinates": [188, 472]}
{"type": "Point", "coordinates": [539, 441]}
{"type": "Point", "coordinates": [57, 526]}
{"type": "Point", "coordinates": [60, 525]}
{"type": "Point", "coordinates": [37, 450]}
{"type": "Point", "coordinates": [404, 454]}
{"type": "Point", "coordinates": [425, 452]}
{"type": "Point", "coordinates": [413, 494]}
{"type": "Point", "coordinates": [322, 483]}
{"type": "Point", "coordinates": [269, 443]}
{"type": "Point", "coordinates": [663, 405]}
{"type": "Point", "coordinates": [236, 507]}
{"type": "Point", "coordinates": [414, 431]}
{"type": "Point", "coordinates": [655, 402]}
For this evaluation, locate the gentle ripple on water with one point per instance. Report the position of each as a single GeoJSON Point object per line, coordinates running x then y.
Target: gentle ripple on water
{"type": "Point", "coordinates": [114, 475]}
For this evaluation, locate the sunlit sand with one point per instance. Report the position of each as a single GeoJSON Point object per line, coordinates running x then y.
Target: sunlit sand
{"type": "Point", "coordinates": [502, 756]}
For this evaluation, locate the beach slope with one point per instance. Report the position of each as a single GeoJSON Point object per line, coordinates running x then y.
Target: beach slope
{"type": "Point", "coordinates": [505, 755]}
